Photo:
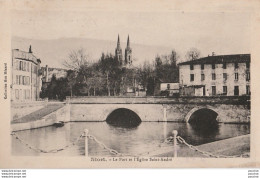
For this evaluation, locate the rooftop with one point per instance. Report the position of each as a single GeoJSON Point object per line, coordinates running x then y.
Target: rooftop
{"type": "Point", "coordinates": [240, 58]}
{"type": "Point", "coordinates": [23, 55]}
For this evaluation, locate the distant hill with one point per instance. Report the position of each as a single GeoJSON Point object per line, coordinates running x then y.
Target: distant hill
{"type": "Point", "coordinates": [54, 52]}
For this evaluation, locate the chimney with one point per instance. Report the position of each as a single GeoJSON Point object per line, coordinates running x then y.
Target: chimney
{"type": "Point", "coordinates": [213, 53]}
{"type": "Point", "coordinates": [30, 49]}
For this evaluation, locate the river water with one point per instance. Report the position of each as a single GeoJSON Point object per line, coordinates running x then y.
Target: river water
{"type": "Point", "coordinates": [146, 137]}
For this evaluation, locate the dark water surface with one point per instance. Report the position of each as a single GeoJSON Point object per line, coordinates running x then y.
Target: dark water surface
{"type": "Point", "coordinates": [146, 137]}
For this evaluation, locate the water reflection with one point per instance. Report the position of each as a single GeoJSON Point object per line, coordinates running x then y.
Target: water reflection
{"type": "Point", "coordinates": [203, 122]}
{"type": "Point", "coordinates": [202, 130]}
{"type": "Point", "coordinates": [146, 137]}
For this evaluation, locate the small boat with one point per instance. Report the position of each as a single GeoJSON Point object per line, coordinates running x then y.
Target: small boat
{"type": "Point", "coordinates": [59, 124]}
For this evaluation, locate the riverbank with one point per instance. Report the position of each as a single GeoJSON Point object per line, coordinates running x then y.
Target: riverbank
{"type": "Point", "coordinates": [229, 147]}
{"type": "Point", "coordinates": [46, 116]}
{"type": "Point", "coordinates": [39, 114]}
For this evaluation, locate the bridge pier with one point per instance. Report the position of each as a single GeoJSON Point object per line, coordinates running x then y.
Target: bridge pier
{"type": "Point", "coordinates": [165, 130]}
{"type": "Point", "coordinates": [67, 114]}
{"type": "Point", "coordinates": [164, 113]}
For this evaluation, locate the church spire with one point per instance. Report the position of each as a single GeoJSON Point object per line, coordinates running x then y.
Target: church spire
{"type": "Point", "coordinates": [128, 54]}
{"type": "Point", "coordinates": [118, 42]}
{"type": "Point", "coordinates": [128, 42]}
{"type": "Point", "coordinates": [118, 51]}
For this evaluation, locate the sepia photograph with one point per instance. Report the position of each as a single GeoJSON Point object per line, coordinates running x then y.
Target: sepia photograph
{"type": "Point", "coordinates": [115, 86]}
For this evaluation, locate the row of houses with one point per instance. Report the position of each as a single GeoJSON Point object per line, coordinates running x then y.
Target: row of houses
{"type": "Point", "coordinates": [28, 77]}
{"type": "Point", "coordinates": [222, 75]}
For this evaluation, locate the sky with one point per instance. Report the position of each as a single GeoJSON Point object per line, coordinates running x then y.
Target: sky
{"type": "Point", "coordinates": [219, 32]}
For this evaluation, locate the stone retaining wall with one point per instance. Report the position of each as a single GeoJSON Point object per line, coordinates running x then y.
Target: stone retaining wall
{"type": "Point", "coordinates": [61, 114]}
{"type": "Point", "coordinates": [20, 109]}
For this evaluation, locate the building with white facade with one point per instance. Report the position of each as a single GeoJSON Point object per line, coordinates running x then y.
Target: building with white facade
{"type": "Point", "coordinates": [26, 76]}
{"type": "Point", "coordinates": [170, 88]}
{"type": "Point", "coordinates": [227, 75]}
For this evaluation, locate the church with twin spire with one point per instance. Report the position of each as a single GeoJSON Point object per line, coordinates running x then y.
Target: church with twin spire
{"type": "Point", "coordinates": [128, 61]}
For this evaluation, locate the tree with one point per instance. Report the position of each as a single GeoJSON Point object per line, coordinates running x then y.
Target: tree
{"type": "Point", "coordinates": [52, 88]}
{"type": "Point", "coordinates": [93, 79]}
{"type": "Point", "coordinates": [173, 58]}
{"type": "Point", "coordinates": [166, 70]}
{"type": "Point", "coordinates": [150, 86]}
{"type": "Point", "coordinates": [76, 59]}
{"type": "Point", "coordinates": [62, 88]}
{"type": "Point", "coordinates": [71, 77]}
{"type": "Point", "coordinates": [144, 72]}
{"type": "Point", "coordinates": [110, 67]}
{"type": "Point", "coordinates": [192, 54]}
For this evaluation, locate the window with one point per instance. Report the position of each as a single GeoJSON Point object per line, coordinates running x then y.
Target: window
{"type": "Point", "coordinates": [224, 65]}
{"type": "Point", "coordinates": [224, 90]}
{"type": "Point", "coordinates": [17, 80]}
{"type": "Point", "coordinates": [191, 67]}
{"type": "Point", "coordinates": [35, 69]}
{"type": "Point", "coordinates": [202, 66]}
{"type": "Point", "coordinates": [202, 77]}
{"type": "Point", "coordinates": [213, 66]}
{"type": "Point", "coordinates": [236, 76]}
{"type": "Point", "coordinates": [17, 94]}
{"type": "Point", "coordinates": [24, 66]}
{"type": "Point", "coordinates": [26, 94]}
{"type": "Point", "coordinates": [24, 82]}
{"type": "Point", "coordinates": [236, 90]}
{"type": "Point", "coordinates": [20, 80]}
{"type": "Point", "coordinates": [16, 64]}
{"type": "Point", "coordinates": [213, 76]}
{"type": "Point", "coordinates": [21, 65]}
{"type": "Point", "coordinates": [213, 90]}
{"type": "Point", "coordinates": [168, 86]}
{"type": "Point", "coordinates": [191, 77]}
{"type": "Point", "coordinates": [225, 76]}
{"type": "Point", "coordinates": [236, 65]}
{"type": "Point", "coordinates": [28, 67]}
{"type": "Point", "coordinates": [248, 90]}
{"type": "Point", "coordinates": [247, 65]}
{"type": "Point", "coordinates": [247, 76]}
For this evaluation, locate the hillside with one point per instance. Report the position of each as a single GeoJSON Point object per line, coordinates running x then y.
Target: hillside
{"type": "Point", "coordinates": [54, 52]}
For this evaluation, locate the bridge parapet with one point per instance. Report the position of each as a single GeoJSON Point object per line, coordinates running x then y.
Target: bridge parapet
{"type": "Point", "coordinates": [158, 100]}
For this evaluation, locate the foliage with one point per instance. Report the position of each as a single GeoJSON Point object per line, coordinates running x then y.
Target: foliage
{"type": "Point", "coordinates": [192, 54]}
{"type": "Point", "coordinates": [76, 60]}
{"type": "Point", "coordinates": [57, 89]}
{"type": "Point", "coordinates": [109, 77]}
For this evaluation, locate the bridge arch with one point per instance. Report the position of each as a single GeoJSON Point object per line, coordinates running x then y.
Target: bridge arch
{"type": "Point", "coordinates": [123, 117]}
{"type": "Point", "coordinates": [196, 109]}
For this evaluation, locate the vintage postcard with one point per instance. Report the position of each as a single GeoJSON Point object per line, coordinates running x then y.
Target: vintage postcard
{"type": "Point", "coordinates": [128, 84]}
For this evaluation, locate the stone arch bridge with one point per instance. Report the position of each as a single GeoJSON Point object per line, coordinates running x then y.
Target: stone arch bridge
{"type": "Point", "coordinates": [228, 109]}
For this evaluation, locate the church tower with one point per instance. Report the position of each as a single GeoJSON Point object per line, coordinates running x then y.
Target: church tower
{"type": "Point", "coordinates": [118, 51]}
{"type": "Point", "coordinates": [128, 54]}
